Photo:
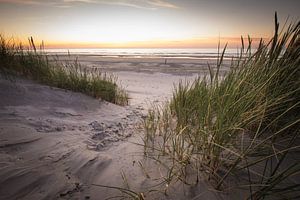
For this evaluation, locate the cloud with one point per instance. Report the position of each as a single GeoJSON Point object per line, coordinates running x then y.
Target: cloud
{"type": "Point", "coordinates": [148, 4]}
{"type": "Point", "coordinates": [163, 4]}
{"type": "Point", "coordinates": [145, 4]}
{"type": "Point", "coordinates": [29, 2]}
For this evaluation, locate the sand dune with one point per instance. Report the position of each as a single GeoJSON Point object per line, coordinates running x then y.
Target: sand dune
{"type": "Point", "coordinates": [57, 144]}
{"type": "Point", "coordinates": [51, 140]}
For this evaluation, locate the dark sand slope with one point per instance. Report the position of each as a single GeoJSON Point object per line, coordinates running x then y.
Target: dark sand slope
{"type": "Point", "coordinates": [52, 141]}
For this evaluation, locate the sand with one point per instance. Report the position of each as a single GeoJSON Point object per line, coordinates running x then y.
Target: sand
{"type": "Point", "coordinates": [57, 144]}
{"type": "Point", "coordinates": [174, 66]}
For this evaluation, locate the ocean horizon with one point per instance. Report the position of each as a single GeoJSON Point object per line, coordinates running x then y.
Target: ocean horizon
{"type": "Point", "coordinates": [188, 53]}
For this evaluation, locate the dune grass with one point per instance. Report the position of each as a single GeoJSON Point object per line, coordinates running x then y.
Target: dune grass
{"type": "Point", "coordinates": [33, 63]}
{"type": "Point", "coordinates": [242, 128]}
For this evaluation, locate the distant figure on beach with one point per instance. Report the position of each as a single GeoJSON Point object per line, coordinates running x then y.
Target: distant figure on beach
{"type": "Point", "coordinates": [165, 61]}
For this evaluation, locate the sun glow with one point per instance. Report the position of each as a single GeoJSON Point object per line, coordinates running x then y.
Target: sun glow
{"type": "Point", "coordinates": [128, 24]}
{"type": "Point", "coordinates": [119, 32]}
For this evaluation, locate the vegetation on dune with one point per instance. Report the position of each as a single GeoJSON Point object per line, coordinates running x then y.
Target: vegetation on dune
{"type": "Point", "coordinates": [241, 128]}
{"type": "Point", "coordinates": [34, 64]}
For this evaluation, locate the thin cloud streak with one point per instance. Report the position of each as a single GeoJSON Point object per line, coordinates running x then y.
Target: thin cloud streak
{"type": "Point", "coordinates": [29, 2]}
{"type": "Point", "coordinates": [143, 4]}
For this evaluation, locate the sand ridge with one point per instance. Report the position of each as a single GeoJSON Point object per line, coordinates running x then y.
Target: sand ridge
{"type": "Point", "coordinates": [51, 139]}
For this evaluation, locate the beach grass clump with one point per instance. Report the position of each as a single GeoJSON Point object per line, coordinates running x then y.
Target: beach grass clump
{"type": "Point", "coordinates": [240, 129]}
{"type": "Point", "coordinates": [33, 63]}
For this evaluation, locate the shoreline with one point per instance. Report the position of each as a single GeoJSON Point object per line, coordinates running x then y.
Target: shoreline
{"type": "Point", "coordinates": [177, 67]}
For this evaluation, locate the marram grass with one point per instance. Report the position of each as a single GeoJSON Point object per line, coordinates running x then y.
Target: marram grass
{"type": "Point", "coordinates": [245, 125]}
{"type": "Point", "coordinates": [34, 64]}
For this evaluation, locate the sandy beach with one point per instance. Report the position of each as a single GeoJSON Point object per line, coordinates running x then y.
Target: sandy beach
{"type": "Point", "coordinates": [55, 144]}
{"type": "Point", "coordinates": [168, 65]}
{"type": "Point", "coordinates": [149, 100]}
{"type": "Point", "coordinates": [58, 144]}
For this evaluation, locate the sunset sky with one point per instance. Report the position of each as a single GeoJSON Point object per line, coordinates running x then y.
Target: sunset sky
{"type": "Point", "coordinates": [142, 23]}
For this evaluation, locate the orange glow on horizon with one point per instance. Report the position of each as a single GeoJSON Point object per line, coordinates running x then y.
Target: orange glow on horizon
{"type": "Point", "coordinates": [141, 24]}
{"type": "Point", "coordinates": [233, 42]}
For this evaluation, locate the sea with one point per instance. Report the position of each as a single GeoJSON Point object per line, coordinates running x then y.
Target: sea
{"type": "Point", "coordinates": [203, 53]}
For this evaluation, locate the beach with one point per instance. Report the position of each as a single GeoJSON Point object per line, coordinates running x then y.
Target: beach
{"type": "Point", "coordinates": [59, 144]}
{"type": "Point", "coordinates": [149, 100]}
{"type": "Point", "coordinates": [55, 144]}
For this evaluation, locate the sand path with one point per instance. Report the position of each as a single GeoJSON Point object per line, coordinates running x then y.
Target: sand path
{"type": "Point", "coordinates": [51, 139]}
{"type": "Point", "coordinates": [55, 144]}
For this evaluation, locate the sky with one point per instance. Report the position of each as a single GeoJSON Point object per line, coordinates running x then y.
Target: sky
{"type": "Point", "coordinates": [142, 23]}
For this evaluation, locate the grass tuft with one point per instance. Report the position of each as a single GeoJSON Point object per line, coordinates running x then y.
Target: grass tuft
{"type": "Point", "coordinates": [243, 125]}
{"type": "Point", "coordinates": [33, 63]}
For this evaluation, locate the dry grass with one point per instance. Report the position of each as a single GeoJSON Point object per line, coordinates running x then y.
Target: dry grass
{"type": "Point", "coordinates": [244, 125]}
{"type": "Point", "coordinates": [34, 64]}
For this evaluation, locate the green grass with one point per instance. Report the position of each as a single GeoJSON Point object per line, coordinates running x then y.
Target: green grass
{"type": "Point", "coordinates": [244, 125]}
{"type": "Point", "coordinates": [33, 63]}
